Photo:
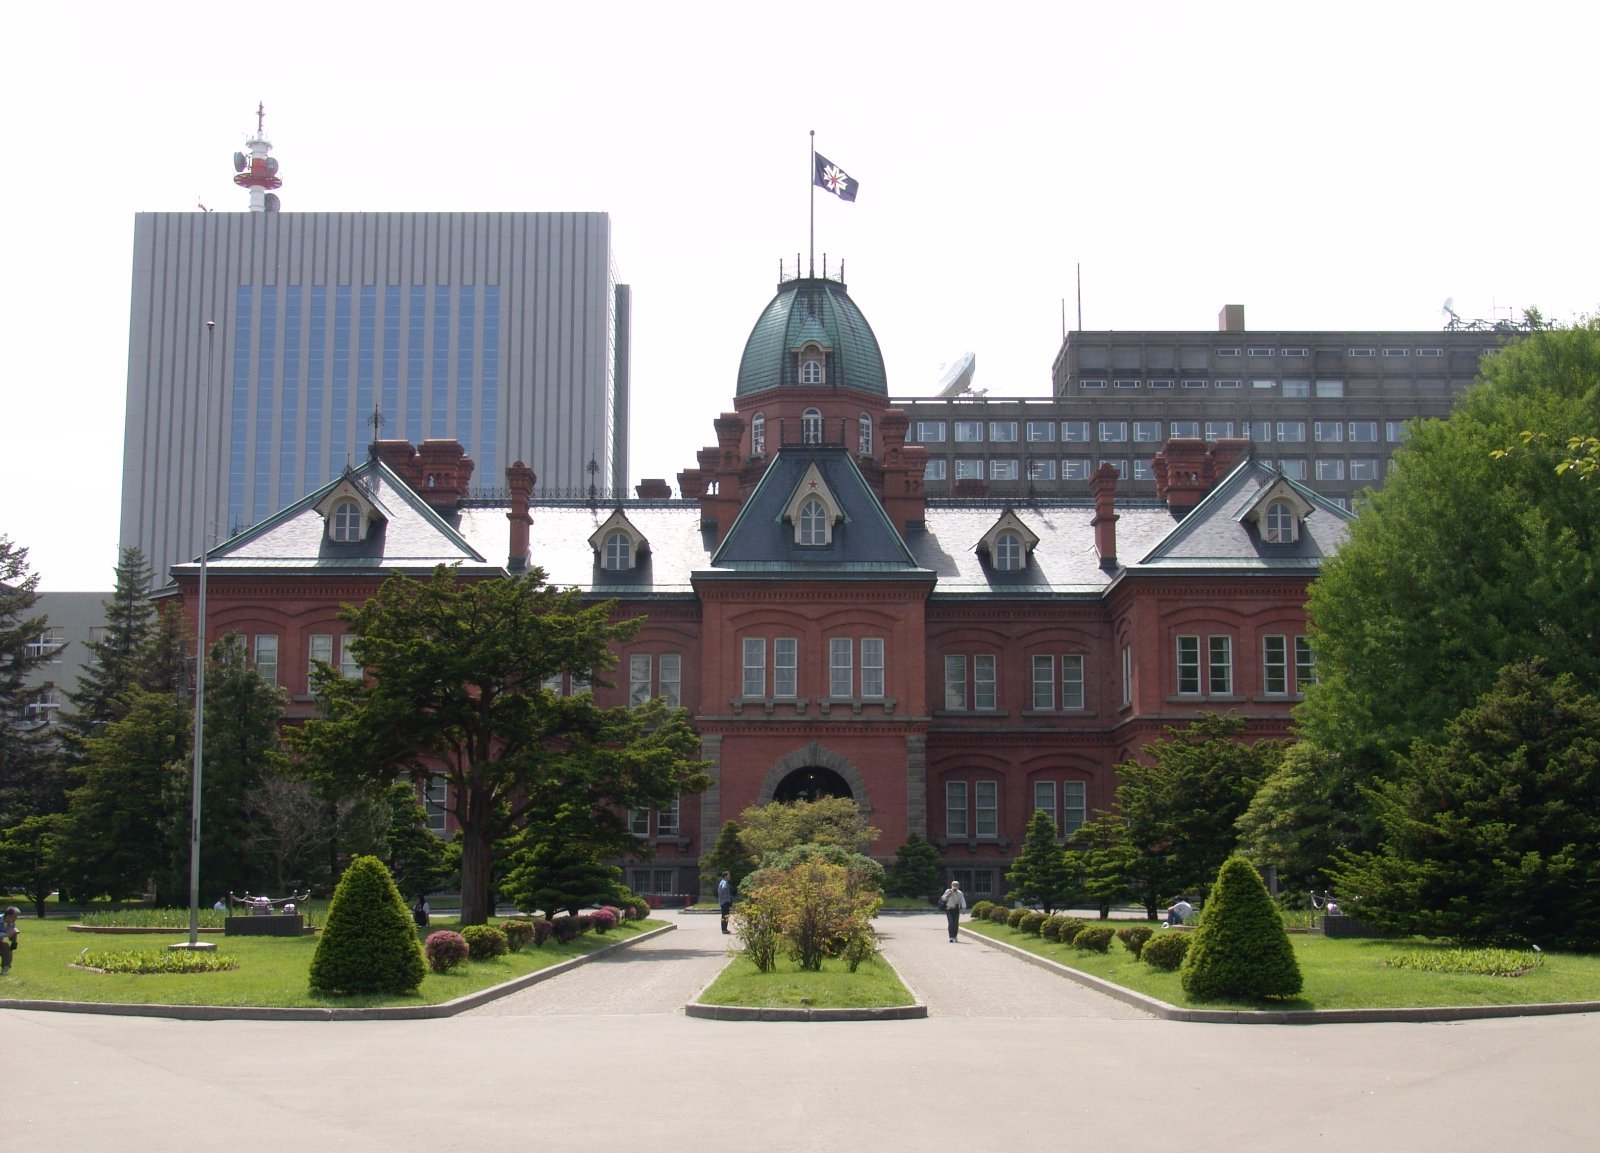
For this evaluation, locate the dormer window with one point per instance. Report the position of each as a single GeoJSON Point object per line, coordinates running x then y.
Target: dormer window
{"type": "Point", "coordinates": [813, 511]}
{"type": "Point", "coordinates": [811, 426]}
{"type": "Point", "coordinates": [758, 434]}
{"type": "Point", "coordinates": [349, 511]}
{"type": "Point", "coordinates": [1008, 543]}
{"type": "Point", "coordinates": [864, 434]}
{"type": "Point", "coordinates": [813, 523]}
{"type": "Point", "coordinates": [618, 544]}
{"type": "Point", "coordinates": [1278, 511]}
{"type": "Point", "coordinates": [813, 365]}
{"type": "Point", "coordinates": [346, 522]}
{"type": "Point", "coordinates": [1278, 525]}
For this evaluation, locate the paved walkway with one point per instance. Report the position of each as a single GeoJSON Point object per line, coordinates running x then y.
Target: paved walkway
{"type": "Point", "coordinates": [604, 1057]}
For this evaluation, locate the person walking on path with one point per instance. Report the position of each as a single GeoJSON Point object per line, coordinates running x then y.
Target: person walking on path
{"type": "Point", "coordinates": [8, 937]}
{"type": "Point", "coordinates": [952, 902]}
{"type": "Point", "coordinates": [725, 898]}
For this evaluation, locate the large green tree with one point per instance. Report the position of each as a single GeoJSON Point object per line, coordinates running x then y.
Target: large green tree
{"type": "Point", "coordinates": [1468, 559]}
{"type": "Point", "coordinates": [1492, 834]}
{"type": "Point", "coordinates": [1041, 874]}
{"type": "Point", "coordinates": [456, 686]}
{"type": "Point", "coordinates": [1177, 809]}
{"type": "Point", "coordinates": [24, 751]}
{"type": "Point", "coordinates": [781, 825]}
{"type": "Point", "coordinates": [120, 661]}
{"type": "Point", "coordinates": [1299, 821]}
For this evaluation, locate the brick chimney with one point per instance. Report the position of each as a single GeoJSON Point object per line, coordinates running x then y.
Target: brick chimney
{"type": "Point", "coordinates": [904, 467]}
{"type": "Point", "coordinates": [1104, 487]}
{"type": "Point", "coordinates": [439, 471]}
{"type": "Point", "coordinates": [1187, 468]}
{"type": "Point", "coordinates": [653, 488]}
{"type": "Point", "coordinates": [520, 480]}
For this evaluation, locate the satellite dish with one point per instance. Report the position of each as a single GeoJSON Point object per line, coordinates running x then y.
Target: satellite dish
{"type": "Point", "coordinates": [959, 377]}
{"type": "Point", "coordinates": [272, 202]}
{"type": "Point", "coordinates": [272, 166]}
{"type": "Point", "coordinates": [1449, 306]}
{"type": "Point", "coordinates": [238, 162]}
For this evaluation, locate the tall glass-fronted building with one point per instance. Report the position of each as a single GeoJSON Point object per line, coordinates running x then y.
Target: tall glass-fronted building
{"type": "Point", "coordinates": [505, 331]}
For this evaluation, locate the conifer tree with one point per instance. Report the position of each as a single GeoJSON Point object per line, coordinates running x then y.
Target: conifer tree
{"type": "Point", "coordinates": [1041, 874]}
{"type": "Point", "coordinates": [23, 748]}
{"type": "Point", "coordinates": [118, 666]}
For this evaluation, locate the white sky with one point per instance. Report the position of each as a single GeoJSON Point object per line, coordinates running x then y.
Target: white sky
{"type": "Point", "coordinates": [1343, 166]}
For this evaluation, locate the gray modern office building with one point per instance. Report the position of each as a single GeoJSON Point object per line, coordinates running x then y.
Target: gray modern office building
{"type": "Point", "coordinates": [1326, 407]}
{"type": "Point", "coordinates": [505, 331]}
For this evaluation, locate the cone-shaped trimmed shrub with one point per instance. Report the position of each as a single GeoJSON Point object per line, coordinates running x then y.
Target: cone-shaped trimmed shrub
{"type": "Point", "coordinates": [1240, 949]}
{"type": "Point", "coordinates": [369, 941]}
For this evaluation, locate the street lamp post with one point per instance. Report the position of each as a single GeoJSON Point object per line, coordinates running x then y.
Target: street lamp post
{"type": "Point", "coordinates": [200, 654]}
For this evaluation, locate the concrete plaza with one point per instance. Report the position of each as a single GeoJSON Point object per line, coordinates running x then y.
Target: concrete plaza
{"type": "Point", "coordinates": [603, 1058]}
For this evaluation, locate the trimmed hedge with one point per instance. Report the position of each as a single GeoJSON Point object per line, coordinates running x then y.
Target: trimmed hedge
{"type": "Point", "coordinates": [369, 943]}
{"type": "Point", "coordinates": [1014, 917]}
{"type": "Point", "coordinates": [445, 950]}
{"type": "Point", "coordinates": [1134, 939]}
{"type": "Point", "coordinates": [1095, 938]}
{"type": "Point", "coordinates": [1165, 950]}
{"type": "Point", "coordinates": [518, 934]}
{"type": "Point", "coordinates": [485, 942]}
{"type": "Point", "coordinates": [1069, 928]}
{"type": "Point", "coordinates": [1241, 949]}
{"type": "Point", "coordinates": [1031, 922]}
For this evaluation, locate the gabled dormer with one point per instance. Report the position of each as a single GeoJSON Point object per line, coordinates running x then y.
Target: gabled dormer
{"type": "Point", "coordinates": [813, 510]}
{"type": "Point", "coordinates": [618, 545]}
{"type": "Point", "coordinates": [349, 512]}
{"type": "Point", "coordinates": [1278, 512]}
{"type": "Point", "coordinates": [811, 364]}
{"type": "Point", "coordinates": [1008, 544]}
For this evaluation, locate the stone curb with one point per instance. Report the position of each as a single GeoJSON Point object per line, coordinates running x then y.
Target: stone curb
{"type": "Point", "coordinates": [743, 1013]}
{"type": "Point", "coordinates": [1285, 1016]}
{"type": "Point", "coordinates": [306, 1013]}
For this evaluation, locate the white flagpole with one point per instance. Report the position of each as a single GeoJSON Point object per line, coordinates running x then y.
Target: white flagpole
{"type": "Point", "coordinates": [812, 180]}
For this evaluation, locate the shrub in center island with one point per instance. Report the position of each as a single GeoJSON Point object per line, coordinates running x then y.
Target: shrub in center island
{"type": "Point", "coordinates": [1240, 949]}
{"type": "Point", "coordinates": [369, 942]}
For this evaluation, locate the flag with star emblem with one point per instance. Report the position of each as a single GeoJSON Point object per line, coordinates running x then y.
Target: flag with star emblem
{"type": "Point", "coordinates": [829, 176]}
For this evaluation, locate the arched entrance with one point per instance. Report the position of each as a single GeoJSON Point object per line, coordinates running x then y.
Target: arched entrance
{"type": "Point", "coordinates": [811, 783]}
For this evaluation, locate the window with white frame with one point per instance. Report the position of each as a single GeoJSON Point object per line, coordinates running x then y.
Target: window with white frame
{"type": "Point", "coordinates": [1112, 431]}
{"type": "Point", "coordinates": [957, 823]}
{"type": "Point", "coordinates": [1075, 431]}
{"type": "Point", "coordinates": [1127, 676]}
{"type": "Point", "coordinates": [50, 641]}
{"type": "Point", "coordinates": [618, 554]}
{"type": "Point", "coordinates": [639, 822]}
{"type": "Point", "coordinates": [872, 667]}
{"type": "Point", "coordinates": [1328, 431]}
{"type": "Point", "coordinates": [1162, 383]}
{"type": "Point", "coordinates": [1125, 382]}
{"type": "Point", "coordinates": [985, 808]}
{"type": "Point", "coordinates": [1003, 431]}
{"type": "Point", "coordinates": [1430, 352]}
{"type": "Point", "coordinates": [1364, 432]}
{"type": "Point", "coordinates": [435, 794]}
{"type": "Point", "coordinates": [933, 470]}
{"type": "Point", "coordinates": [1227, 352]}
{"type": "Point", "coordinates": [1075, 468]}
{"type": "Point", "coordinates": [669, 683]}
{"type": "Point", "coordinates": [1120, 465]}
{"type": "Point", "coordinates": [1041, 430]}
{"type": "Point", "coordinates": [971, 809]}
{"type": "Point", "coordinates": [1144, 469]}
{"type": "Point", "coordinates": [755, 667]}
{"type": "Point", "coordinates": [1230, 384]}
{"type": "Point", "coordinates": [1397, 352]}
{"type": "Point", "coordinates": [1294, 352]}
{"type": "Point", "coordinates": [1146, 431]}
{"type": "Point", "coordinates": [1364, 468]}
{"type": "Point", "coordinates": [1360, 351]}
{"type": "Point", "coordinates": [1044, 682]}
{"type": "Point", "coordinates": [1305, 663]}
{"type": "Point", "coordinates": [1330, 388]}
{"type": "Point", "coordinates": [1220, 667]}
{"type": "Point", "coordinates": [1292, 468]}
{"type": "Point", "coordinates": [1189, 429]}
{"type": "Point", "coordinates": [267, 657]}
{"type": "Point", "coordinates": [346, 521]}
{"type": "Point", "coordinates": [811, 372]}
{"type": "Point", "coordinates": [1189, 666]}
{"type": "Point", "coordinates": [930, 431]}
{"type": "Point", "coordinates": [1259, 351]}
{"type": "Point", "coordinates": [758, 434]}
{"type": "Point", "coordinates": [349, 667]}
{"type": "Point", "coordinates": [864, 434]}
{"type": "Point", "coordinates": [1008, 552]}
{"type": "Point", "coordinates": [1072, 681]}
{"type": "Point", "coordinates": [1041, 469]}
{"type": "Point", "coordinates": [1003, 469]}
{"type": "Point", "coordinates": [1091, 384]}
{"type": "Point", "coordinates": [667, 820]}
{"type": "Point", "coordinates": [1044, 801]}
{"type": "Point", "coordinates": [1263, 385]}
{"type": "Point", "coordinates": [1074, 808]}
{"type": "Point", "coordinates": [969, 431]}
{"type": "Point", "coordinates": [841, 668]}
{"type": "Point", "coordinates": [1296, 388]}
{"type": "Point", "coordinates": [1279, 523]}
{"type": "Point", "coordinates": [1194, 382]}
{"type": "Point", "coordinates": [1275, 665]}
{"type": "Point", "coordinates": [786, 667]}
{"type": "Point", "coordinates": [983, 681]}
{"type": "Point", "coordinates": [813, 523]}
{"type": "Point", "coordinates": [1259, 431]}
{"type": "Point", "coordinates": [1292, 431]}
{"type": "Point", "coordinates": [1330, 469]}
{"type": "Point", "coordinates": [639, 669]}
{"type": "Point", "coordinates": [1394, 431]}
{"type": "Point", "coordinates": [1218, 429]}
{"type": "Point", "coordinates": [319, 650]}
{"type": "Point", "coordinates": [811, 426]}
{"type": "Point", "coordinates": [969, 469]}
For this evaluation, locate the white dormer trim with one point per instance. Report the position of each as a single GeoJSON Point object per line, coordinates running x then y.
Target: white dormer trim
{"type": "Point", "coordinates": [812, 486]}
{"type": "Point", "coordinates": [1267, 512]}
{"type": "Point", "coordinates": [811, 353]}
{"type": "Point", "coordinates": [333, 508]}
{"type": "Point", "coordinates": [995, 550]}
{"type": "Point", "coordinates": [636, 545]}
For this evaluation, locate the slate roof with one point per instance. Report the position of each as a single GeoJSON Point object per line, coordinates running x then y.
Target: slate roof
{"type": "Point", "coordinates": [759, 545]}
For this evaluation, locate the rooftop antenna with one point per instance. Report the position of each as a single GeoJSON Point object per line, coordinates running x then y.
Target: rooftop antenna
{"type": "Point", "coordinates": [1080, 297]}
{"type": "Point", "coordinates": [1449, 309]}
{"type": "Point", "coordinates": [256, 170]}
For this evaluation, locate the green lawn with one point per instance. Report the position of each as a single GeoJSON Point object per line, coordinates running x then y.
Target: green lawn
{"type": "Point", "coordinates": [1339, 974]}
{"type": "Point", "coordinates": [874, 985]}
{"type": "Point", "coordinates": [272, 970]}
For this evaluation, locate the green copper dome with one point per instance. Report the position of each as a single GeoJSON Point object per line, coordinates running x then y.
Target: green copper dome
{"type": "Point", "coordinates": [810, 311]}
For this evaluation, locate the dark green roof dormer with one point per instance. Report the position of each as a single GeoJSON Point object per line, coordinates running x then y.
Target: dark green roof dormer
{"type": "Point", "coordinates": [812, 321]}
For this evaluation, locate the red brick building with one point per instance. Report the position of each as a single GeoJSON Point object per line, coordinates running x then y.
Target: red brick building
{"type": "Point", "coordinates": [950, 664]}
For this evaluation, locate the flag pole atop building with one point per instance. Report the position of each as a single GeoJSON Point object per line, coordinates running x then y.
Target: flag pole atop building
{"type": "Point", "coordinates": [828, 176]}
{"type": "Point", "coordinates": [813, 239]}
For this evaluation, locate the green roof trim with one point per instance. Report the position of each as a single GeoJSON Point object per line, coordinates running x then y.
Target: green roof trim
{"type": "Point", "coordinates": [812, 310]}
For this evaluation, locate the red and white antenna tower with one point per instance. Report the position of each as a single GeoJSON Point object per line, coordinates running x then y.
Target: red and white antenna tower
{"type": "Point", "coordinates": [257, 170]}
